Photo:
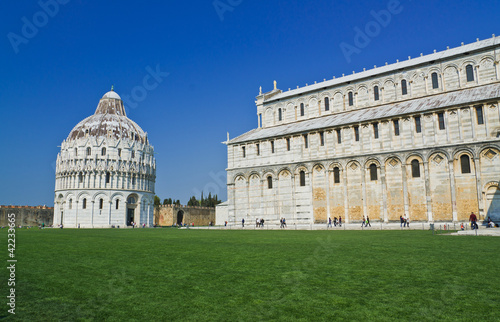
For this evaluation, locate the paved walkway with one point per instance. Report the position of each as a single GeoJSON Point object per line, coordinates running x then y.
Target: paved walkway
{"type": "Point", "coordinates": [479, 232]}
{"type": "Point", "coordinates": [357, 226]}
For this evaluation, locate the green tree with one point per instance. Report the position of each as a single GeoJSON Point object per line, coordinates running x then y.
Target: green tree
{"type": "Point", "coordinates": [157, 201]}
{"type": "Point", "coordinates": [193, 202]}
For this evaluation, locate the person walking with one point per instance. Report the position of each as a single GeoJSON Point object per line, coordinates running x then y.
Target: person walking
{"type": "Point", "coordinates": [401, 221]}
{"type": "Point", "coordinates": [243, 222]}
{"type": "Point", "coordinates": [340, 221]}
{"type": "Point", "coordinates": [329, 222]}
{"type": "Point", "coordinates": [335, 221]}
{"type": "Point", "coordinates": [473, 219]}
{"type": "Point", "coordinates": [363, 222]}
{"type": "Point", "coordinates": [367, 223]}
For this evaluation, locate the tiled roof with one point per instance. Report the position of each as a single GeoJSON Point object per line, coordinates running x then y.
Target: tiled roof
{"type": "Point", "coordinates": [428, 103]}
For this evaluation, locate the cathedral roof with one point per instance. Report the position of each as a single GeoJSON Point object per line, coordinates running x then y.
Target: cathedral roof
{"type": "Point", "coordinates": [390, 68]}
{"type": "Point", "coordinates": [457, 98]}
{"type": "Point", "coordinates": [109, 120]}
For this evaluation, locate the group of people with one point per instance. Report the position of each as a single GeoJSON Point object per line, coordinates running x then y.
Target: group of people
{"type": "Point", "coordinates": [366, 222]}
{"type": "Point", "coordinates": [259, 223]}
{"type": "Point", "coordinates": [335, 222]}
{"type": "Point", "coordinates": [404, 221]}
{"type": "Point", "coordinates": [282, 222]}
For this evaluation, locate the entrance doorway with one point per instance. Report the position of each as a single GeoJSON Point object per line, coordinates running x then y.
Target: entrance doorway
{"type": "Point", "coordinates": [493, 203]}
{"type": "Point", "coordinates": [130, 216]}
{"type": "Point", "coordinates": [180, 216]}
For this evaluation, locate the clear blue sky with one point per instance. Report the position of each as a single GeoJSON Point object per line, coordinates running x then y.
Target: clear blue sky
{"type": "Point", "coordinates": [64, 66]}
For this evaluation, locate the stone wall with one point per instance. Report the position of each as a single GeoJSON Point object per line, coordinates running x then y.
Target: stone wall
{"type": "Point", "coordinates": [27, 216]}
{"type": "Point", "coordinates": [168, 215]}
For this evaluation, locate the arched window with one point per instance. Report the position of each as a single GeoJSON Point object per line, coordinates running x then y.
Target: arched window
{"type": "Point", "coordinates": [470, 73]}
{"type": "Point", "coordinates": [117, 203]}
{"type": "Point", "coordinates": [434, 78]}
{"type": "Point", "coordinates": [336, 175]}
{"type": "Point", "coordinates": [108, 177]}
{"type": "Point", "coordinates": [350, 97]}
{"type": "Point", "coordinates": [327, 103]}
{"type": "Point", "coordinates": [269, 182]}
{"type": "Point", "coordinates": [84, 203]}
{"type": "Point", "coordinates": [302, 178]}
{"type": "Point", "coordinates": [101, 203]}
{"type": "Point", "coordinates": [375, 93]}
{"type": "Point", "coordinates": [373, 172]}
{"type": "Point", "coordinates": [133, 180]}
{"type": "Point", "coordinates": [89, 151]}
{"type": "Point", "coordinates": [375, 130]}
{"type": "Point", "coordinates": [415, 169]}
{"type": "Point", "coordinates": [70, 204]}
{"type": "Point", "coordinates": [404, 89]}
{"type": "Point", "coordinates": [103, 151]}
{"type": "Point", "coordinates": [131, 200]}
{"type": "Point", "coordinates": [302, 111]}
{"type": "Point", "coordinates": [465, 163]}
{"type": "Point", "coordinates": [279, 114]}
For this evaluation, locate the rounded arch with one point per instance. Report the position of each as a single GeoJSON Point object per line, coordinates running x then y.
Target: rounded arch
{"type": "Point", "coordinates": [82, 194]}
{"type": "Point", "coordinates": [390, 157]}
{"type": "Point", "coordinates": [238, 176]}
{"type": "Point", "coordinates": [334, 164]}
{"type": "Point", "coordinates": [350, 88]}
{"type": "Point", "coordinates": [468, 61]}
{"type": "Point", "coordinates": [452, 65]}
{"type": "Point", "coordinates": [254, 174]}
{"type": "Point", "coordinates": [318, 167]}
{"type": "Point", "coordinates": [353, 162]}
{"type": "Point", "coordinates": [337, 91]}
{"type": "Point", "coordinates": [265, 172]}
{"type": "Point", "coordinates": [486, 57]}
{"type": "Point", "coordinates": [325, 94]}
{"type": "Point", "coordinates": [284, 170]}
{"type": "Point", "coordinates": [457, 153]}
{"type": "Point", "coordinates": [491, 184]}
{"type": "Point", "coordinates": [487, 148]}
{"type": "Point", "coordinates": [389, 80]}
{"type": "Point", "coordinates": [371, 161]}
{"type": "Point", "coordinates": [433, 69]}
{"type": "Point", "coordinates": [414, 155]}
{"type": "Point", "coordinates": [116, 194]}
{"type": "Point", "coordinates": [437, 151]}
{"type": "Point", "coordinates": [300, 167]}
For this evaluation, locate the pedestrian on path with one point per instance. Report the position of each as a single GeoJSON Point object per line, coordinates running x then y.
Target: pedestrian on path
{"type": "Point", "coordinates": [243, 222]}
{"type": "Point", "coordinates": [329, 222]}
{"type": "Point", "coordinates": [340, 221]}
{"type": "Point", "coordinates": [367, 223]}
{"type": "Point", "coordinates": [473, 220]}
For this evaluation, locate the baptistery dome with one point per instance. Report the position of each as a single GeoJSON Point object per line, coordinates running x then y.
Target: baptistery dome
{"type": "Point", "coordinates": [105, 171]}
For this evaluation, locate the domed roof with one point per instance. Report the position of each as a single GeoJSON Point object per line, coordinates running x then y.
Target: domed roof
{"type": "Point", "coordinates": [112, 94]}
{"type": "Point", "coordinates": [109, 120]}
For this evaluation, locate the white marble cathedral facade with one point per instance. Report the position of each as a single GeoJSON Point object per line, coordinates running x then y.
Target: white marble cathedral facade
{"type": "Point", "coordinates": [105, 171]}
{"type": "Point", "coordinates": [420, 137]}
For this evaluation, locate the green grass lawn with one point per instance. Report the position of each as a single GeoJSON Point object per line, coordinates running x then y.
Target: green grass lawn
{"type": "Point", "coordinates": [171, 274]}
